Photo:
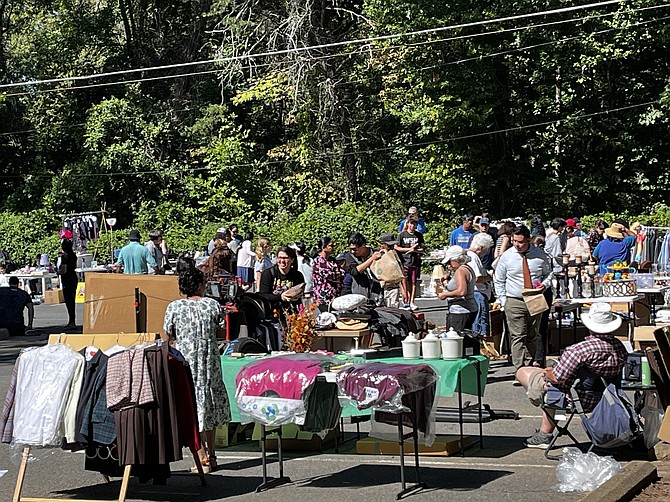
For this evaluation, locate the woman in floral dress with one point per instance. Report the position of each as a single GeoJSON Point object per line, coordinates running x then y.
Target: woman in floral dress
{"type": "Point", "coordinates": [193, 322]}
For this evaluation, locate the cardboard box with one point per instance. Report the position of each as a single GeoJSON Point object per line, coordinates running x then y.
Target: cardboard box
{"type": "Point", "coordinates": [232, 433]}
{"type": "Point", "coordinates": [293, 439]}
{"type": "Point", "coordinates": [442, 447]}
{"type": "Point", "coordinates": [53, 296]}
{"type": "Point", "coordinates": [643, 336]}
{"type": "Point", "coordinates": [110, 302]}
{"type": "Point", "coordinates": [664, 431]}
{"type": "Point", "coordinates": [641, 310]}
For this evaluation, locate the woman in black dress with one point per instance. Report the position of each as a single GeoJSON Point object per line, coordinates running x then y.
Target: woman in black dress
{"type": "Point", "coordinates": [67, 262]}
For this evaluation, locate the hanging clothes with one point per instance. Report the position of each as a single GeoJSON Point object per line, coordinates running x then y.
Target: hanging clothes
{"type": "Point", "coordinates": [148, 435]}
{"type": "Point", "coordinates": [48, 384]}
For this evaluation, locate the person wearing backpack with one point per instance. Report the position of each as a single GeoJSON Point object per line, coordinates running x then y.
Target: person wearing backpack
{"type": "Point", "coordinates": [600, 356]}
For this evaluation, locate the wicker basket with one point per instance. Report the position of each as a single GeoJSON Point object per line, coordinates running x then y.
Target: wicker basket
{"type": "Point", "coordinates": [622, 287]}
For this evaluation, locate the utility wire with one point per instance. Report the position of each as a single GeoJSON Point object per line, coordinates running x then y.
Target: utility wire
{"type": "Point", "coordinates": [319, 58]}
{"type": "Point", "coordinates": [378, 150]}
{"type": "Point", "coordinates": [320, 46]}
{"type": "Point", "coordinates": [508, 52]}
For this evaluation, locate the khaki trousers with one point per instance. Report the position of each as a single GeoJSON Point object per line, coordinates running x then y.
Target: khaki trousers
{"type": "Point", "coordinates": [523, 331]}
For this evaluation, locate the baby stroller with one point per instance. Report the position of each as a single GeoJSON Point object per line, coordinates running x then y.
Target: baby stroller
{"type": "Point", "coordinates": [261, 323]}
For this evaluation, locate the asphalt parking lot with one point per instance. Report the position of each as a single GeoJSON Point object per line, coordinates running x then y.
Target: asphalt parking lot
{"type": "Point", "coordinates": [502, 470]}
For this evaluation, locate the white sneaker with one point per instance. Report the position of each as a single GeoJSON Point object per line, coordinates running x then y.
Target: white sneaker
{"type": "Point", "coordinates": [413, 306]}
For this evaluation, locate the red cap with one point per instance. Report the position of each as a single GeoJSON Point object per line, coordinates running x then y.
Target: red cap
{"type": "Point", "coordinates": [570, 222]}
{"type": "Point", "coordinates": [65, 234]}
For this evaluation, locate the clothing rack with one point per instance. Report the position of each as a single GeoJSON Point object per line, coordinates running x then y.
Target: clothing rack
{"type": "Point", "coordinates": [102, 342]}
{"type": "Point", "coordinates": [645, 227]}
{"type": "Point", "coordinates": [87, 213]}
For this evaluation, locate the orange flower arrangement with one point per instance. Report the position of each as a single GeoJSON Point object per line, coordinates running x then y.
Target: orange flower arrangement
{"type": "Point", "coordinates": [300, 333]}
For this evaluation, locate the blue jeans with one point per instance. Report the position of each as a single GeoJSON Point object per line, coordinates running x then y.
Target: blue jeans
{"type": "Point", "coordinates": [481, 325]}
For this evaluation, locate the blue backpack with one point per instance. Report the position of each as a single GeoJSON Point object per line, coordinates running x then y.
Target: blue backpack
{"type": "Point", "coordinates": [613, 422]}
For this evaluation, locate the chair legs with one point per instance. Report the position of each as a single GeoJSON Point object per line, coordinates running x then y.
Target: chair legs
{"type": "Point", "coordinates": [561, 430]}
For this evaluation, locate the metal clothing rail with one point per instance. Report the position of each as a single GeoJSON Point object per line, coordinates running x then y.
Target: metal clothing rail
{"type": "Point", "coordinates": [88, 213]}
{"type": "Point", "coordinates": [102, 342]}
{"type": "Point", "coordinates": [645, 227]}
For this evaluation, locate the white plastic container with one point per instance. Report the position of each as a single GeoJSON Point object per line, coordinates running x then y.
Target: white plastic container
{"type": "Point", "coordinates": [452, 345]}
{"type": "Point", "coordinates": [411, 347]}
{"type": "Point", "coordinates": [430, 346]}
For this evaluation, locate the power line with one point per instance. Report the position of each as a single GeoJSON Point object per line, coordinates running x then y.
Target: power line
{"type": "Point", "coordinates": [510, 51]}
{"type": "Point", "coordinates": [319, 58]}
{"type": "Point", "coordinates": [384, 149]}
{"type": "Point", "coordinates": [320, 46]}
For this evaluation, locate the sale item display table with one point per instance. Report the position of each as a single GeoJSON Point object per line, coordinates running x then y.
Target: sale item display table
{"type": "Point", "coordinates": [651, 294]}
{"type": "Point", "coordinates": [359, 337]}
{"type": "Point", "coordinates": [48, 280]}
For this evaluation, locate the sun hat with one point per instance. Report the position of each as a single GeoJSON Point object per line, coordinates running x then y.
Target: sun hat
{"type": "Point", "coordinates": [412, 210]}
{"type": "Point", "coordinates": [616, 231]}
{"type": "Point", "coordinates": [351, 325]}
{"type": "Point", "coordinates": [454, 252]}
{"type": "Point", "coordinates": [600, 319]}
{"type": "Point", "coordinates": [65, 234]}
{"type": "Point", "coordinates": [134, 235]}
{"type": "Point", "coordinates": [387, 238]}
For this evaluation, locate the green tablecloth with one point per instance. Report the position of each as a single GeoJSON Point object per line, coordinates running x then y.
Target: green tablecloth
{"type": "Point", "coordinates": [448, 371]}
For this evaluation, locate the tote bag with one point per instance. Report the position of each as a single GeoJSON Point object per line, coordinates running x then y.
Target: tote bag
{"type": "Point", "coordinates": [387, 269]}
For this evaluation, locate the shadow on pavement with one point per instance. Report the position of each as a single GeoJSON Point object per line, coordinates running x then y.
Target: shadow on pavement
{"type": "Point", "coordinates": [435, 478]}
{"type": "Point", "coordinates": [184, 487]}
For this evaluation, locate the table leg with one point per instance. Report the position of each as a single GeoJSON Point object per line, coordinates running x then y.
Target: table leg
{"type": "Point", "coordinates": [276, 481]}
{"type": "Point", "coordinates": [478, 369]}
{"type": "Point", "coordinates": [560, 329]}
{"type": "Point", "coordinates": [460, 413]}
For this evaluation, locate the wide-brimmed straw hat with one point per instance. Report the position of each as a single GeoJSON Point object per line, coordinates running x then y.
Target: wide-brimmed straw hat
{"type": "Point", "coordinates": [600, 319]}
{"type": "Point", "coordinates": [616, 231]}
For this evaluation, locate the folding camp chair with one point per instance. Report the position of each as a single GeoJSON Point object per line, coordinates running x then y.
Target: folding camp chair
{"type": "Point", "coordinates": [613, 423]}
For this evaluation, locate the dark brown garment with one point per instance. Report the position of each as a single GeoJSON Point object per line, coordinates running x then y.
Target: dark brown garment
{"type": "Point", "coordinates": [148, 434]}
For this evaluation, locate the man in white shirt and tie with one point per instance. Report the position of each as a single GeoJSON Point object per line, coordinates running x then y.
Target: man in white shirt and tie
{"type": "Point", "coordinates": [521, 267]}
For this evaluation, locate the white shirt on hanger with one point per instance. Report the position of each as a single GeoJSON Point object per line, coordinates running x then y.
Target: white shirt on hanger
{"type": "Point", "coordinates": [47, 393]}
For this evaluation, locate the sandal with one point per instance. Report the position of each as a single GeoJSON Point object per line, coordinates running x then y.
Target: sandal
{"type": "Point", "coordinates": [206, 467]}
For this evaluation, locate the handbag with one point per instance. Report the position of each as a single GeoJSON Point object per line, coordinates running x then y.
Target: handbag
{"type": "Point", "coordinates": [535, 301]}
{"type": "Point", "coordinates": [387, 269]}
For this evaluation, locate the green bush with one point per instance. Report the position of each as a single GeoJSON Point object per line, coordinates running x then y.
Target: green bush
{"type": "Point", "coordinates": [27, 235]}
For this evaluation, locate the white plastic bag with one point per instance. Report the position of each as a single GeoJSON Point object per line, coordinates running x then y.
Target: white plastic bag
{"type": "Point", "coordinates": [653, 417]}
{"type": "Point", "coordinates": [584, 472]}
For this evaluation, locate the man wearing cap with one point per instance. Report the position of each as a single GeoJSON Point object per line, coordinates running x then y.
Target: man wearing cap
{"type": "Point", "coordinates": [222, 233]}
{"type": "Point", "coordinates": [616, 247]}
{"type": "Point", "coordinates": [600, 355]}
{"type": "Point", "coordinates": [134, 257]}
{"type": "Point", "coordinates": [12, 302]}
{"type": "Point", "coordinates": [520, 268]}
{"type": "Point", "coordinates": [387, 244]}
{"type": "Point", "coordinates": [462, 236]}
{"type": "Point", "coordinates": [413, 212]}
{"type": "Point", "coordinates": [578, 228]}
{"type": "Point", "coordinates": [485, 228]}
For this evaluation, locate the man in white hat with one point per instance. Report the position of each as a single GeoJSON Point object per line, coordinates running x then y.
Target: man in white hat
{"type": "Point", "coordinates": [600, 355]}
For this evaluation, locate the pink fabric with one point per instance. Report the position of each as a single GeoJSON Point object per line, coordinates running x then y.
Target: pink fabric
{"type": "Point", "coordinates": [283, 376]}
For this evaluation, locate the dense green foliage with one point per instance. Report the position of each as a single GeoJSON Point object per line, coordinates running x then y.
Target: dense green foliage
{"type": "Point", "coordinates": [560, 114]}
